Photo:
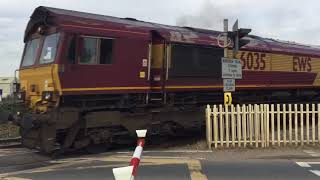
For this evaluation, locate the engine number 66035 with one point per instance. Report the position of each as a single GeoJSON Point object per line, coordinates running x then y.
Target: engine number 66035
{"type": "Point", "coordinates": [253, 60]}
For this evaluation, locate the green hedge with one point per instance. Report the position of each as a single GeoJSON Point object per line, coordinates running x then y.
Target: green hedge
{"type": "Point", "coordinates": [9, 130]}
{"type": "Point", "coordinates": [9, 105]}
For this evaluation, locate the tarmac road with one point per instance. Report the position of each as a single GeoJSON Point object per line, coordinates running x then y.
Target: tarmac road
{"type": "Point", "coordinates": [253, 164]}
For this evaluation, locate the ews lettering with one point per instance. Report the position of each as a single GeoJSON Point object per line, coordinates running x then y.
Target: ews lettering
{"type": "Point", "coordinates": [253, 60]}
{"type": "Point", "coordinates": [302, 64]}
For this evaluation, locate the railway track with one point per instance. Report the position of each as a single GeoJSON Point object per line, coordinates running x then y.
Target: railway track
{"type": "Point", "coordinates": [10, 142]}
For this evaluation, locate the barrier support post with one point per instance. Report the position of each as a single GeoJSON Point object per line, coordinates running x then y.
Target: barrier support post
{"type": "Point", "coordinates": [129, 172]}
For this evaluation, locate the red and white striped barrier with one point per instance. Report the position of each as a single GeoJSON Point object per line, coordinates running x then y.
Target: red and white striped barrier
{"type": "Point", "coordinates": [129, 172]}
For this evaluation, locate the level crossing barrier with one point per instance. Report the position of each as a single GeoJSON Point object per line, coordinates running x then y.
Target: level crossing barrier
{"type": "Point", "coordinates": [262, 125]}
{"type": "Point", "coordinates": [130, 172]}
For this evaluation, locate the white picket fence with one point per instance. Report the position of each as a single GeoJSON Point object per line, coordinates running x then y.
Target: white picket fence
{"type": "Point", "coordinates": [262, 125]}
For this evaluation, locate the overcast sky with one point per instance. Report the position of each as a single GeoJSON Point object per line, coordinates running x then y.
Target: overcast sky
{"type": "Point", "coordinates": [292, 20]}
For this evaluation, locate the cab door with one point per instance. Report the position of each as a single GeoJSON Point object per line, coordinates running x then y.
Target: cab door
{"type": "Point", "coordinates": [158, 69]}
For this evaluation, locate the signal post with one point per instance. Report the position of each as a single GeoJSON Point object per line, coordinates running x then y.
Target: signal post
{"type": "Point", "coordinates": [232, 68]}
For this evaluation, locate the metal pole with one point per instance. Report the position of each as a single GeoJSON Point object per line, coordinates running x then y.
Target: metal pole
{"type": "Point", "coordinates": [225, 30]}
{"type": "Point", "coordinates": [236, 40]}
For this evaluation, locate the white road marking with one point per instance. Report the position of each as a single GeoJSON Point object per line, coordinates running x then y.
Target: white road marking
{"type": "Point", "coordinates": [315, 155]}
{"type": "Point", "coordinates": [164, 157]}
{"type": "Point", "coordinates": [15, 152]}
{"type": "Point", "coordinates": [303, 164]}
{"type": "Point", "coordinates": [308, 151]}
{"type": "Point", "coordinates": [316, 172]}
{"type": "Point", "coordinates": [313, 162]}
{"type": "Point", "coordinates": [158, 157]}
{"type": "Point", "coordinates": [312, 153]}
{"type": "Point", "coordinates": [171, 151]}
{"type": "Point", "coordinates": [308, 165]}
{"type": "Point", "coordinates": [15, 178]}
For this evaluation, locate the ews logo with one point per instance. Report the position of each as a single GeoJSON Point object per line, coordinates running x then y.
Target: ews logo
{"type": "Point", "coordinates": [302, 64]}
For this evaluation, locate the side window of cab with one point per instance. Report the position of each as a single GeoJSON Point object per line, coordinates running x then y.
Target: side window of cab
{"type": "Point", "coordinates": [72, 49]}
{"type": "Point", "coordinates": [95, 50]}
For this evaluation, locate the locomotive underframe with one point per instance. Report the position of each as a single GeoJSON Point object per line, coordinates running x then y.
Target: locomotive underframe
{"type": "Point", "coordinates": [86, 120]}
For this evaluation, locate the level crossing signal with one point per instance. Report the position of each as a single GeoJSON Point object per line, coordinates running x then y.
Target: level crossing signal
{"type": "Point", "coordinates": [237, 35]}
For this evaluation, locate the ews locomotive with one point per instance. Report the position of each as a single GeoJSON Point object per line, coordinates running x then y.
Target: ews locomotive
{"type": "Point", "coordinates": [91, 79]}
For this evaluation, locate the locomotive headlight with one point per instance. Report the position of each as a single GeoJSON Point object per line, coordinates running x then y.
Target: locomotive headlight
{"type": "Point", "coordinates": [47, 95]}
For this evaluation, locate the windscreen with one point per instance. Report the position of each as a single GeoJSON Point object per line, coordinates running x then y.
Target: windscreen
{"type": "Point", "coordinates": [49, 48]}
{"type": "Point", "coordinates": [30, 54]}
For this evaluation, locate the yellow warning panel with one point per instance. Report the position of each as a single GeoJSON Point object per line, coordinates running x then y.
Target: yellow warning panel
{"type": "Point", "coordinates": [142, 74]}
{"type": "Point", "coordinates": [227, 98]}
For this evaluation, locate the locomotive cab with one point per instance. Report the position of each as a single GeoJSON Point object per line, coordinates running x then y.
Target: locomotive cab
{"type": "Point", "coordinates": [38, 72]}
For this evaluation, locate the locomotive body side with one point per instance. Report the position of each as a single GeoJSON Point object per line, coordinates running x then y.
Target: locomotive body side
{"type": "Point", "coordinates": [99, 78]}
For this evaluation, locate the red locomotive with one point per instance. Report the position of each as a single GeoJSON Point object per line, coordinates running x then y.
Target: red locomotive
{"type": "Point", "coordinates": [92, 79]}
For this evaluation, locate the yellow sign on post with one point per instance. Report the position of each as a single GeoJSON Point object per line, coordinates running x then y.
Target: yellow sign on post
{"type": "Point", "coordinates": [227, 98]}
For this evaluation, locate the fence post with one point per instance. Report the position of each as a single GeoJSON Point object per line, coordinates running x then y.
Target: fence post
{"type": "Point", "coordinates": [215, 125]}
{"type": "Point", "coordinates": [278, 124]}
{"type": "Point", "coordinates": [272, 124]}
{"type": "Point", "coordinates": [227, 124]}
{"type": "Point", "coordinates": [233, 124]}
{"type": "Point", "coordinates": [284, 124]}
{"type": "Point", "coordinates": [262, 125]}
{"type": "Point", "coordinates": [256, 115]}
{"type": "Point", "coordinates": [221, 125]}
{"type": "Point", "coordinates": [296, 124]}
{"type": "Point", "coordinates": [265, 125]}
{"type": "Point", "coordinates": [267, 115]}
{"type": "Point", "coordinates": [301, 124]}
{"type": "Point", "coordinates": [209, 126]}
{"type": "Point", "coordinates": [247, 118]}
{"type": "Point", "coordinates": [244, 125]}
{"type": "Point", "coordinates": [239, 125]}
{"type": "Point", "coordinates": [251, 124]}
{"type": "Point", "coordinates": [307, 123]}
{"type": "Point", "coordinates": [313, 124]}
{"type": "Point", "coordinates": [290, 124]}
{"type": "Point", "coordinates": [318, 121]}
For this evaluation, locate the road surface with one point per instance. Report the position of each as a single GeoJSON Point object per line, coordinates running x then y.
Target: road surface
{"type": "Point", "coordinates": [263, 164]}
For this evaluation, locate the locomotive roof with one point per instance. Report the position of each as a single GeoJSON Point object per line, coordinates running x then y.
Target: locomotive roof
{"type": "Point", "coordinates": [58, 17]}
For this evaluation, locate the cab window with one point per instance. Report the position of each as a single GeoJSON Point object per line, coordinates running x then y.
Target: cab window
{"type": "Point", "coordinates": [89, 51]}
{"type": "Point", "coordinates": [49, 48]}
{"type": "Point", "coordinates": [71, 55]}
{"type": "Point", "coordinates": [105, 51]}
{"type": "Point", "coordinates": [96, 51]}
{"type": "Point", "coordinates": [30, 54]}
